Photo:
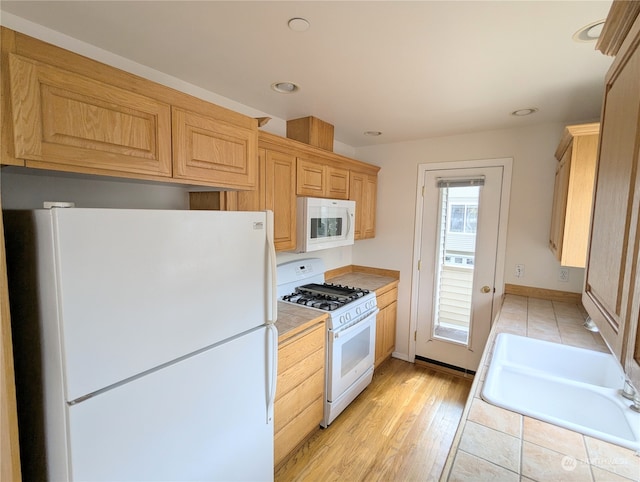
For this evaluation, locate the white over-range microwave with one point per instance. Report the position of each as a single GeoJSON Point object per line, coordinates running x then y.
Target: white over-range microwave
{"type": "Point", "coordinates": [324, 223]}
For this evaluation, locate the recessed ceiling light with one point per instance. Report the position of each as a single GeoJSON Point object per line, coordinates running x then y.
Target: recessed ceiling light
{"type": "Point", "coordinates": [298, 24]}
{"type": "Point", "coordinates": [590, 32]}
{"type": "Point", "coordinates": [523, 112]}
{"type": "Point", "coordinates": [285, 87]}
{"type": "Point", "coordinates": [373, 133]}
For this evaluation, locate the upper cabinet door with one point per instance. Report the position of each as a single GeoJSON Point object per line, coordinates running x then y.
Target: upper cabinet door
{"type": "Point", "coordinates": [362, 190]}
{"type": "Point", "coordinates": [573, 194]}
{"type": "Point", "coordinates": [310, 178]}
{"type": "Point", "coordinates": [211, 150]}
{"type": "Point", "coordinates": [63, 120]}
{"type": "Point", "coordinates": [316, 178]}
{"type": "Point", "coordinates": [610, 272]}
{"type": "Point", "coordinates": [280, 197]}
{"type": "Point", "coordinates": [337, 183]}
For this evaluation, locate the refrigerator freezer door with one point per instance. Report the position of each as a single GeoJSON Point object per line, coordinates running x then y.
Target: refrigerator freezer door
{"type": "Point", "coordinates": [202, 418]}
{"type": "Point", "coordinates": [138, 288]}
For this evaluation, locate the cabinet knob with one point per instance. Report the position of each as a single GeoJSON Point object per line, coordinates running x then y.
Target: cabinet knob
{"type": "Point", "coordinates": [485, 289]}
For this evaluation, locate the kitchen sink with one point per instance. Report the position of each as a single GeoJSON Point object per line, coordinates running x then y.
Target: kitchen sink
{"type": "Point", "coordinates": [575, 388]}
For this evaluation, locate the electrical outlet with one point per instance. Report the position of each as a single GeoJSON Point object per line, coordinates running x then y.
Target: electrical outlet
{"type": "Point", "coordinates": [564, 274]}
{"type": "Point", "coordinates": [519, 270]}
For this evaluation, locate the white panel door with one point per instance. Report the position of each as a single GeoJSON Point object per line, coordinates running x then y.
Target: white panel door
{"type": "Point", "coordinates": [203, 418]}
{"type": "Point", "coordinates": [456, 286]}
{"type": "Point", "coordinates": [138, 288]}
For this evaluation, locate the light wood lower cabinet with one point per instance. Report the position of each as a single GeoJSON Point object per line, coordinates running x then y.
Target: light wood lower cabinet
{"type": "Point", "coordinates": [300, 390]}
{"type": "Point", "coordinates": [386, 323]}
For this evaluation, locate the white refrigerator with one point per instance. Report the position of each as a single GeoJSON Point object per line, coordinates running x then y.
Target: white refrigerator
{"type": "Point", "coordinates": [157, 341]}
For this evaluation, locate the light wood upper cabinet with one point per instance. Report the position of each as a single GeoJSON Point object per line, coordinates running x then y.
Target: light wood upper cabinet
{"type": "Point", "coordinates": [67, 121]}
{"type": "Point", "coordinates": [66, 112]}
{"type": "Point", "coordinates": [612, 278]}
{"type": "Point", "coordinates": [573, 194]}
{"type": "Point", "coordinates": [208, 149]}
{"type": "Point", "coordinates": [311, 178]}
{"type": "Point", "coordinates": [280, 196]}
{"type": "Point", "coordinates": [315, 178]}
{"type": "Point", "coordinates": [363, 190]}
{"type": "Point", "coordinates": [337, 183]}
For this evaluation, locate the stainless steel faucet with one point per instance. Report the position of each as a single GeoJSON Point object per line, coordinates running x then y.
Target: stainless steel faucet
{"type": "Point", "coordinates": [632, 394]}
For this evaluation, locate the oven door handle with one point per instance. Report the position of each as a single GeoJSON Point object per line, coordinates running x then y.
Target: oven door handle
{"type": "Point", "coordinates": [356, 325]}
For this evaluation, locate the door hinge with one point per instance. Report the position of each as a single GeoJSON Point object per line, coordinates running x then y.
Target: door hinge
{"type": "Point", "coordinates": [419, 264]}
{"type": "Point", "coordinates": [422, 191]}
{"type": "Point", "coordinates": [415, 335]}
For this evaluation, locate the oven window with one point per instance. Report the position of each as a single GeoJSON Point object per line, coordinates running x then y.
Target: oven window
{"type": "Point", "coordinates": [355, 350]}
{"type": "Point", "coordinates": [326, 227]}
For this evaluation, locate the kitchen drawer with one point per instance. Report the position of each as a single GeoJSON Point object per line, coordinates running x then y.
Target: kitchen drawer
{"type": "Point", "coordinates": [291, 404]}
{"type": "Point", "coordinates": [296, 349]}
{"type": "Point", "coordinates": [385, 299]}
{"type": "Point", "coordinates": [295, 432]}
{"type": "Point", "coordinates": [296, 374]}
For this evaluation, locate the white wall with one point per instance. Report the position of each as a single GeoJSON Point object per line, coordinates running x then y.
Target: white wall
{"type": "Point", "coordinates": [532, 150]}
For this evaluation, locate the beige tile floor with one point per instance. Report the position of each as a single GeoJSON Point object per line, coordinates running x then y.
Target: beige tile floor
{"type": "Point", "coordinates": [497, 444]}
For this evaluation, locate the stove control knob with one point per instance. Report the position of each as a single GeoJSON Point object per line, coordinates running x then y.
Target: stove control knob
{"type": "Point", "coordinates": [341, 319]}
{"type": "Point", "coordinates": [358, 310]}
{"type": "Point", "coordinates": [348, 316]}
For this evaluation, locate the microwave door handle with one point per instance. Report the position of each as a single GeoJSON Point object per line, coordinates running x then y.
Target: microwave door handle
{"type": "Point", "coordinates": [349, 223]}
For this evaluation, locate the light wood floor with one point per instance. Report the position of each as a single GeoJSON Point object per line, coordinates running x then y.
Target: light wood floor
{"type": "Point", "coordinates": [399, 429]}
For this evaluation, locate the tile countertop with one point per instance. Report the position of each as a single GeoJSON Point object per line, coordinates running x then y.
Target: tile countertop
{"type": "Point", "coordinates": [295, 319]}
{"type": "Point", "coordinates": [372, 279]}
{"type": "Point", "coordinates": [492, 443]}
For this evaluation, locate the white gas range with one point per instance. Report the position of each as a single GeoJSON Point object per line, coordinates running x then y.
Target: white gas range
{"type": "Point", "coordinates": [351, 329]}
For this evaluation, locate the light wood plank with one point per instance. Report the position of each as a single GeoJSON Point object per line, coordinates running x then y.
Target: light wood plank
{"type": "Point", "coordinates": [402, 426]}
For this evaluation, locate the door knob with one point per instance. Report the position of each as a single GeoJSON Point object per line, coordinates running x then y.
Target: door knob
{"type": "Point", "coordinates": [485, 289]}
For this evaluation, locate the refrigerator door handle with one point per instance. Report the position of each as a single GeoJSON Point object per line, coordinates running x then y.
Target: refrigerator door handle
{"type": "Point", "coordinates": [272, 293]}
{"type": "Point", "coordinates": [273, 370]}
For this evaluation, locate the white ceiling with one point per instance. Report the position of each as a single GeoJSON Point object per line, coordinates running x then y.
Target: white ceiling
{"type": "Point", "coordinates": [412, 70]}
